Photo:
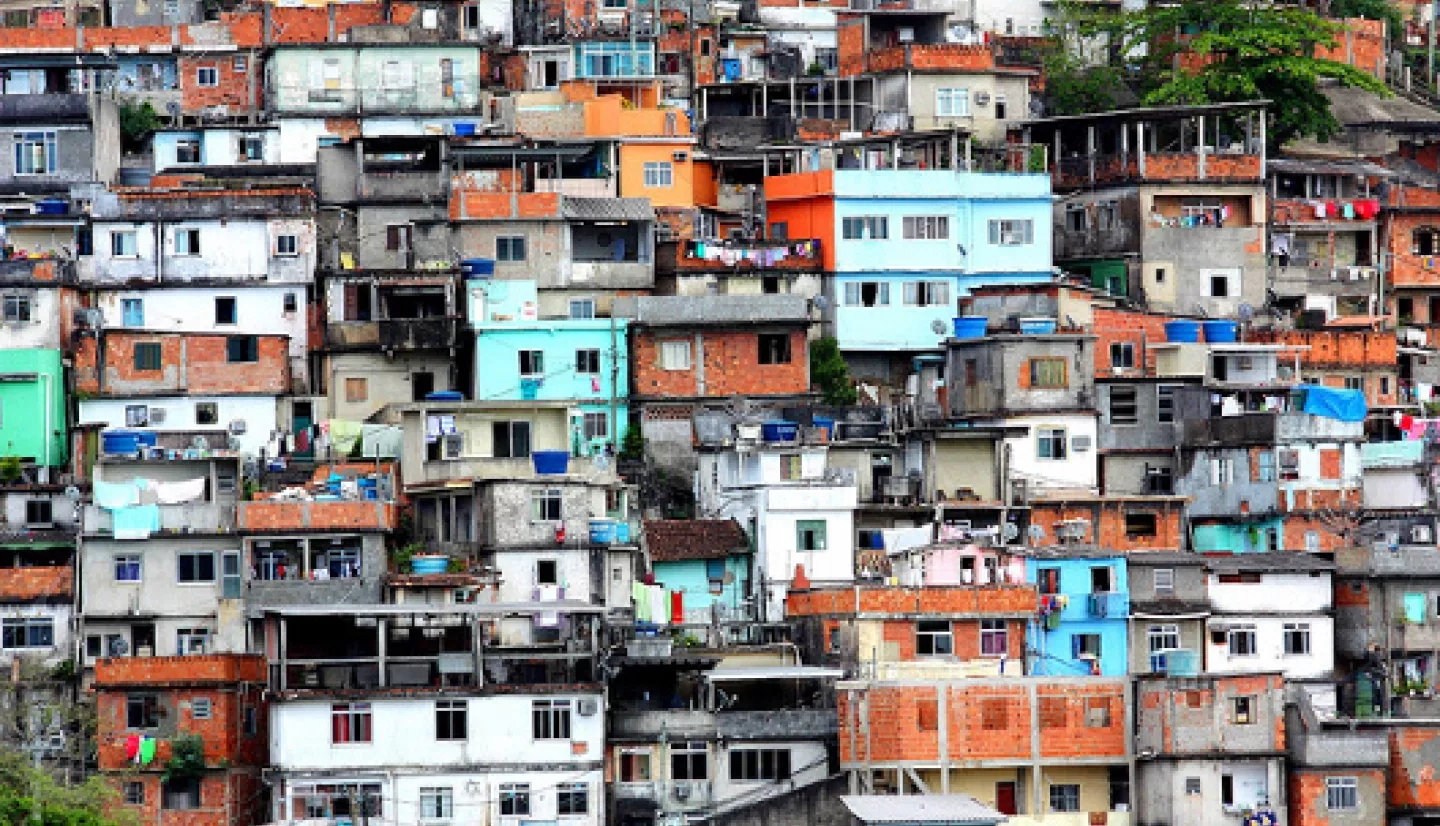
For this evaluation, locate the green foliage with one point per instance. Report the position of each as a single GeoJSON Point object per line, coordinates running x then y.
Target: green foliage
{"type": "Point", "coordinates": [829, 374]}
{"type": "Point", "coordinates": [1232, 50]}
{"type": "Point", "coordinates": [632, 447]}
{"type": "Point", "coordinates": [137, 122]}
{"type": "Point", "coordinates": [10, 470]}
{"type": "Point", "coordinates": [1372, 10]}
{"type": "Point", "coordinates": [22, 787]}
{"type": "Point", "coordinates": [456, 565]}
{"type": "Point", "coordinates": [402, 555]}
{"type": "Point", "coordinates": [357, 449]}
{"type": "Point", "coordinates": [187, 758]}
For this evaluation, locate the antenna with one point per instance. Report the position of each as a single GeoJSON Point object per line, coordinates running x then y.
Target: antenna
{"type": "Point", "coordinates": [1245, 313]}
{"type": "Point", "coordinates": [938, 327]}
{"type": "Point", "coordinates": [821, 302]}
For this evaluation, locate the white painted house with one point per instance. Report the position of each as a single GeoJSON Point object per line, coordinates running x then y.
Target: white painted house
{"type": "Point", "coordinates": [798, 511]}
{"type": "Point", "coordinates": [1270, 612]}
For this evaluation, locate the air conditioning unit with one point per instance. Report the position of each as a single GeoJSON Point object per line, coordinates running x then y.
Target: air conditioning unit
{"type": "Point", "coordinates": [454, 445]}
{"type": "Point", "coordinates": [157, 415]}
{"type": "Point", "coordinates": [678, 156]}
{"type": "Point", "coordinates": [682, 791]}
{"type": "Point", "coordinates": [982, 98]}
{"type": "Point", "coordinates": [587, 707]}
{"type": "Point", "coordinates": [237, 426]}
{"type": "Point", "coordinates": [1080, 444]}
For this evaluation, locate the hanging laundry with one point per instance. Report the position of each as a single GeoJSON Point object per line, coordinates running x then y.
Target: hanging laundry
{"type": "Point", "coordinates": [640, 596]}
{"type": "Point", "coordinates": [132, 747]}
{"type": "Point", "coordinates": [677, 607]}
{"type": "Point", "coordinates": [1319, 209]}
{"type": "Point", "coordinates": [659, 605]}
{"type": "Point", "coordinates": [174, 493]}
{"type": "Point", "coordinates": [147, 750]}
{"type": "Point", "coordinates": [1348, 210]}
{"type": "Point", "coordinates": [594, 384]}
{"type": "Point", "coordinates": [135, 522]}
{"type": "Point", "coordinates": [107, 495]}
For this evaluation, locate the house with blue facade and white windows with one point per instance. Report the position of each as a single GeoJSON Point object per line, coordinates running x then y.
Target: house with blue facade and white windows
{"type": "Point", "coordinates": [1082, 627]}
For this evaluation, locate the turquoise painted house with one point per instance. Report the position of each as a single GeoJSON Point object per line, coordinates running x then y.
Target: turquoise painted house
{"type": "Point", "coordinates": [706, 560]}
{"type": "Point", "coordinates": [1084, 613]}
{"type": "Point", "coordinates": [33, 424]}
{"type": "Point", "coordinates": [520, 357]}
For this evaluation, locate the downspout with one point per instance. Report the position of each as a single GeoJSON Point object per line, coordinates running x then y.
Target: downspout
{"type": "Point", "coordinates": [49, 428]}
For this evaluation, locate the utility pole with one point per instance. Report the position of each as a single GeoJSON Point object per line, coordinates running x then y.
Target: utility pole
{"type": "Point", "coordinates": [1430, 62]}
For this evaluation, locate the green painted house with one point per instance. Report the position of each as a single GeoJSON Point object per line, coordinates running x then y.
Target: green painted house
{"type": "Point", "coordinates": [33, 421]}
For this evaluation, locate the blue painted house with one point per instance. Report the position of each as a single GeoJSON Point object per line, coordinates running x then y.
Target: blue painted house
{"type": "Point", "coordinates": [522, 357]}
{"type": "Point", "coordinates": [1084, 613]}
{"type": "Point", "coordinates": [903, 245]}
{"type": "Point", "coordinates": [706, 560]}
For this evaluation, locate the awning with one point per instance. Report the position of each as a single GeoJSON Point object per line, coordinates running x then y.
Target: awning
{"type": "Point", "coordinates": [778, 672]}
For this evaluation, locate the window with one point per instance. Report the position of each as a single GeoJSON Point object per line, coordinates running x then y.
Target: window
{"type": "Point", "coordinates": [357, 390]}
{"type": "Point", "coordinates": [550, 719]}
{"type": "Point", "coordinates": [1351, 382]}
{"type": "Point", "coordinates": [545, 505]}
{"type": "Point", "coordinates": [450, 720]}
{"type": "Point", "coordinates": [952, 103]}
{"type": "Point", "coordinates": [27, 632]}
{"type": "Point", "coordinates": [1049, 373]}
{"type": "Point", "coordinates": [1164, 580]}
{"type": "Point", "coordinates": [1297, 638]}
{"type": "Point", "coordinates": [573, 799]}
{"type": "Point", "coordinates": [250, 148]}
{"type": "Point", "coordinates": [142, 711]}
{"type": "Point", "coordinates": [1242, 710]}
{"type": "Point", "coordinates": [187, 151]}
{"type": "Point", "coordinates": [137, 415]}
{"type": "Point", "coordinates": [926, 294]}
{"type": "Point", "coordinates": [122, 244]}
{"type": "Point", "coordinates": [191, 641]}
{"type": "Point", "coordinates": [187, 241]}
{"type": "Point", "coordinates": [510, 248]}
{"type": "Point", "coordinates": [515, 799]}
{"type": "Point", "coordinates": [810, 535]}
{"type": "Point", "coordinates": [242, 349]}
{"type": "Point", "coordinates": [287, 245]}
{"type": "Point", "coordinates": [180, 794]}
{"type": "Point", "coordinates": [1222, 471]}
{"type": "Point", "coordinates": [17, 308]}
{"type": "Point", "coordinates": [687, 761]}
{"type": "Point", "coordinates": [1241, 640]}
{"type": "Point", "coordinates": [1192, 786]}
{"type": "Point", "coordinates": [582, 308]}
{"type": "Point", "coordinates": [225, 310]}
{"type": "Point", "coordinates": [436, 803]}
{"type": "Point", "coordinates": [532, 363]}
{"type": "Point", "coordinates": [397, 237]}
{"type": "Point", "coordinates": [597, 426]}
{"type": "Point", "coordinates": [127, 567]}
{"type": "Point", "coordinates": [195, 566]}
{"type": "Point", "coordinates": [1217, 283]}
{"type": "Point", "coordinates": [132, 312]}
{"type": "Point", "coordinates": [510, 440]}
{"type": "Point", "coordinates": [751, 765]}
{"type": "Point", "coordinates": [207, 76]}
{"type": "Point", "coordinates": [1012, 233]}
{"type": "Point", "coordinates": [1064, 797]}
{"type": "Point", "coordinates": [200, 708]}
{"type": "Point", "coordinates": [1141, 525]}
{"type": "Point", "coordinates": [1085, 646]}
{"type": "Point", "coordinates": [925, 227]}
{"type": "Point", "coordinates": [547, 572]}
{"type": "Point", "coordinates": [674, 355]}
{"type": "Point", "coordinates": [1050, 443]}
{"type": "Point", "coordinates": [774, 348]}
{"type": "Point", "coordinates": [147, 355]}
{"type": "Point", "coordinates": [1048, 580]}
{"type": "Point", "coordinates": [865, 228]}
{"type": "Point", "coordinates": [659, 174]}
{"type": "Point", "coordinates": [1342, 794]}
{"type": "Point", "coordinates": [715, 576]}
{"type": "Point", "coordinates": [587, 362]}
{"type": "Point", "coordinates": [35, 153]}
{"type": "Point", "coordinates": [1162, 638]}
{"type": "Point", "coordinates": [1165, 404]}
{"type": "Point", "coordinates": [1097, 712]}
{"type": "Point", "coordinates": [934, 638]}
{"type": "Point", "coordinates": [994, 638]}
{"type": "Point", "coordinates": [1124, 407]}
{"type": "Point", "coordinates": [1076, 219]}
{"type": "Point", "coordinates": [39, 512]}
{"type": "Point", "coordinates": [350, 723]}
{"type": "Point", "coordinates": [1122, 355]}
{"type": "Point", "coordinates": [134, 793]}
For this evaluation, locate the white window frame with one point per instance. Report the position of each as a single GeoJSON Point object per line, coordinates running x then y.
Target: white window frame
{"type": "Point", "coordinates": [593, 432]}
{"type": "Point", "coordinates": [121, 239]}
{"type": "Point", "coordinates": [675, 355]}
{"type": "Point", "coordinates": [1012, 232]}
{"type": "Point", "coordinates": [214, 80]}
{"type": "Point", "coordinates": [1342, 794]}
{"type": "Point", "coordinates": [952, 102]}
{"type": "Point", "coordinates": [287, 245]}
{"type": "Point", "coordinates": [1165, 576]}
{"type": "Point", "coordinates": [1053, 435]}
{"type": "Point", "coordinates": [437, 803]}
{"type": "Point", "coordinates": [1301, 630]}
{"type": "Point", "coordinates": [17, 308]}
{"type": "Point", "coordinates": [1237, 631]}
{"type": "Point", "coordinates": [925, 227]}
{"type": "Point", "coordinates": [659, 174]}
{"type": "Point", "coordinates": [192, 246]}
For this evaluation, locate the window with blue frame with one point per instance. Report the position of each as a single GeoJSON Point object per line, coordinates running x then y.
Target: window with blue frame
{"type": "Point", "coordinates": [132, 312]}
{"type": "Point", "coordinates": [615, 59]}
{"type": "Point", "coordinates": [715, 575]}
{"type": "Point", "coordinates": [35, 153]}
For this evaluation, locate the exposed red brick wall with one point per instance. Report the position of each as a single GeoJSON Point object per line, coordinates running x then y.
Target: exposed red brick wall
{"type": "Point", "coordinates": [227, 798]}
{"type": "Point", "coordinates": [282, 516]}
{"type": "Point", "coordinates": [1000, 600]}
{"type": "Point", "coordinates": [1107, 522]}
{"type": "Point", "coordinates": [233, 90]}
{"type": "Point", "coordinates": [40, 582]}
{"type": "Point", "coordinates": [731, 365]}
{"type": "Point", "coordinates": [213, 668]}
{"type": "Point", "coordinates": [190, 363]}
{"type": "Point", "coordinates": [1409, 748]}
{"type": "Point", "coordinates": [1307, 795]}
{"type": "Point", "coordinates": [1122, 326]}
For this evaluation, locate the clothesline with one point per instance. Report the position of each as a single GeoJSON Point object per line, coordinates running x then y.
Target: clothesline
{"type": "Point", "coordinates": [731, 253]}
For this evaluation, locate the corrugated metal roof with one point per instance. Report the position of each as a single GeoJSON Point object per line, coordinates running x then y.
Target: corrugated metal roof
{"type": "Point", "coordinates": [693, 310]}
{"type": "Point", "coordinates": [608, 209]}
{"type": "Point", "coordinates": [921, 808]}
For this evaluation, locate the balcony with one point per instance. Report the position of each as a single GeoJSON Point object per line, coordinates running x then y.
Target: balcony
{"type": "Point", "coordinates": [37, 272]}
{"type": "Point", "coordinates": [738, 257]}
{"type": "Point", "coordinates": [1108, 606]}
{"type": "Point", "coordinates": [48, 108]}
{"type": "Point", "coordinates": [1302, 213]}
{"type": "Point", "coordinates": [1083, 170]}
{"type": "Point", "coordinates": [402, 186]}
{"type": "Point", "coordinates": [923, 6]}
{"type": "Point", "coordinates": [785, 724]}
{"type": "Point", "coordinates": [1303, 427]}
{"type": "Point", "coordinates": [674, 723]}
{"type": "Point", "coordinates": [669, 795]}
{"type": "Point", "coordinates": [481, 468]}
{"type": "Point", "coordinates": [1245, 429]}
{"type": "Point", "coordinates": [921, 56]}
{"type": "Point", "coordinates": [393, 334]}
{"type": "Point", "coordinates": [290, 516]}
{"type": "Point", "coordinates": [612, 274]}
{"type": "Point", "coordinates": [194, 518]}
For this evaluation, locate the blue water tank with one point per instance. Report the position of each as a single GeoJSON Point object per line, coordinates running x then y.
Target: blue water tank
{"type": "Point", "coordinates": [445, 396]}
{"type": "Point", "coordinates": [1182, 332]}
{"type": "Point", "coordinates": [126, 442]}
{"type": "Point", "coordinates": [1220, 332]}
{"type": "Point", "coordinates": [971, 326]}
{"type": "Point", "coordinates": [780, 431]}
{"type": "Point", "coordinates": [551, 461]}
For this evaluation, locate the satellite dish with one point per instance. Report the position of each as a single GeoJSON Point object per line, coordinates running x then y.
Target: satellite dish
{"type": "Point", "coordinates": [72, 493]}
{"type": "Point", "coordinates": [1011, 531]}
{"type": "Point", "coordinates": [821, 302]}
{"type": "Point", "coordinates": [938, 327]}
{"type": "Point", "coordinates": [1036, 532]}
{"type": "Point", "coordinates": [1245, 313]}
{"type": "Point", "coordinates": [119, 647]}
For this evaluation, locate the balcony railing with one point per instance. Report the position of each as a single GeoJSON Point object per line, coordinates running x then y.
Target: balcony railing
{"type": "Point", "coordinates": [174, 519]}
{"type": "Point", "coordinates": [282, 516]}
{"type": "Point", "coordinates": [1108, 606]}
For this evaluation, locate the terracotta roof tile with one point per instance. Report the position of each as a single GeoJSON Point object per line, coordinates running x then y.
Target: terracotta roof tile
{"type": "Point", "coordinates": [673, 540]}
{"type": "Point", "coordinates": [41, 582]}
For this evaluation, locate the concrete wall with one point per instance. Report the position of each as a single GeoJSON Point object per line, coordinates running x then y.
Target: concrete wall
{"type": "Point", "coordinates": [506, 512]}
{"type": "Point", "coordinates": [218, 147]}
{"type": "Point", "coordinates": [1189, 253]}
{"type": "Point", "coordinates": [257, 412]}
{"type": "Point", "coordinates": [1076, 470]}
{"type": "Point", "coordinates": [387, 379]}
{"type": "Point", "coordinates": [295, 76]}
{"type": "Point", "coordinates": [75, 159]}
{"type": "Point", "coordinates": [1147, 430]}
{"type": "Point", "coordinates": [1163, 799]}
{"type": "Point", "coordinates": [892, 95]}
{"type": "Point", "coordinates": [1003, 384]}
{"type": "Point", "coordinates": [1208, 499]}
{"type": "Point", "coordinates": [242, 249]}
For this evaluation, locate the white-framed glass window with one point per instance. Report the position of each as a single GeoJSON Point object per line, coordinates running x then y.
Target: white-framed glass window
{"type": "Point", "coordinates": [1122, 355]}
{"type": "Point", "coordinates": [16, 307]}
{"type": "Point", "coordinates": [207, 76]}
{"type": "Point", "coordinates": [597, 426]}
{"type": "Point", "coordinates": [1240, 640]}
{"type": "Point", "coordinates": [925, 227]}
{"type": "Point", "coordinates": [934, 638]}
{"type": "Point", "coordinates": [451, 720]}
{"type": "Point", "coordinates": [35, 153]}
{"type": "Point", "coordinates": [191, 641]}
{"type": "Point", "coordinates": [550, 720]}
{"type": "Point", "coordinates": [123, 245]}
{"type": "Point", "coordinates": [437, 803]}
{"type": "Point", "coordinates": [572, 799]}
{"type": "Point", "coordinates": [582, 308]}
{"type": "Point", "coordinates": [287, 245]}
{"type": "Point", "coordinates": [659, 174]}
{"type": "Point", "coordinates": [27, 632]}
{"type": "Point", "coordinates": [350, 723]}
{"type": "Point", "coordinates": [926, 293]}
{"type": "Point", "coordinates": [1297, 639]}
{"type": "Point", "coordinates": [1050, 443]}
{"type": "Point", "coordinates": [1342, 794]}
{"type": "Point", "coordinates": [187, 241]}
{"type": "Point", "coordinates": [675, 355]}
{"type": "Point", "coordinates": [1013, 232]}
{"type": "Point", "coordinates": [546, 505]}
{"type": "Point", "coordinates": [1162, 638]}
{"type": "Point", "coordinates": [867, 293]}
{"type": "Point", "coordinates": [514, 799]}
{"type": "Point", "coordinates": [510, 248]}
{"type": "Point", "coordinates": [127, 567]}
{"type": "Point", "coordinates": [865, 228]}
{"type": "Point", "coordinates": [952, 102]}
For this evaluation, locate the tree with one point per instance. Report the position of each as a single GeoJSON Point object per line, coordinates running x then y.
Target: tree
{"type": "Point", "coordinates": [26, 791]}
{"type": "Point", "coordinates": [137, 121]}
{"type": "Point", "coordinates": [1077, 77]}
{"type": "Point", "coordinates": [1218, 51]}
{"type": "Point", "coordinates": [829, 373]}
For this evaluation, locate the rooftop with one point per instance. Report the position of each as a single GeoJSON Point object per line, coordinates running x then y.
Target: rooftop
{"type": "Point", "coordinates": [674, 540]}
{"type": "Point", "coordinates": [1279, 562]}
{"type": "Point", "coordinates": [38, 583]}
{"type": "Point", "coordinates": [691, 311]}
{"type": "Point", "coordinates": [959, 809]}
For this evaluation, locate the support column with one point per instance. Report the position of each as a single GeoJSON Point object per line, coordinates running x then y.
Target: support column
{"type": "Point", "coordinates": [1200, 148]}
{"type": "Point", "coordinates": [1090, 150]}
{"type": "Point", "coordinates": [1140, 148]}
{"type": "Point", "coordinates": [380, 641]}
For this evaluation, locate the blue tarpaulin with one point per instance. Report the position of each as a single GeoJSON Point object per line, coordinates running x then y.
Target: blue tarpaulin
{"type": "Point", "coordinates": [1333, 403]}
